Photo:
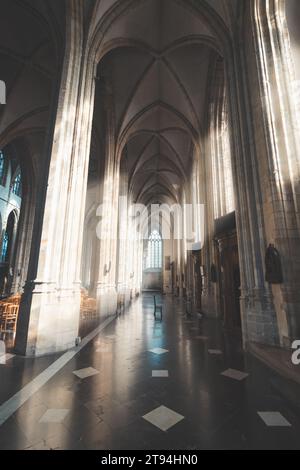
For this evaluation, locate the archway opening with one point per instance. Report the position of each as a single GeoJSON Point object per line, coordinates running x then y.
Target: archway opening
{"type": "Point", "coordinates": [160, 114]}
{"type": "Point", "coordinates": [153, 262]}
{"type": "Point", "coordinates": [10, 207]}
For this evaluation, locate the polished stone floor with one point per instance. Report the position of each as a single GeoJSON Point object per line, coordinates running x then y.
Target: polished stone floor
{"type": "Point", "coordinates": [177, 384]}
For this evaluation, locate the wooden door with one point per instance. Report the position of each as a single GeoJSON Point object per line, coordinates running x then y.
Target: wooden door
{"type": "Point", "coordinates": [229, 280]}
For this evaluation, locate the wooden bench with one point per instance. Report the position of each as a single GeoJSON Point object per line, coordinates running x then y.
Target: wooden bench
{"type": "Point", "coordinates": [157, 308]}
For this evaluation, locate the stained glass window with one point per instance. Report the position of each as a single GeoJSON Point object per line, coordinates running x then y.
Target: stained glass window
{"type": "Point", "coordinates": [2, 168]}
{"type": "Point", "coordinates": [4, 247]}
{"type": "Point", "coordinates": [17, 185]}
{"type": "Point", "coordinates": [154, 255]}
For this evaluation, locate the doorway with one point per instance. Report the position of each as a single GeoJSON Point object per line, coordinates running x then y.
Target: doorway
{"type": "Point", "coordinates": [229, 271]}
{"type": "Point", "coordinates": [153, 258]}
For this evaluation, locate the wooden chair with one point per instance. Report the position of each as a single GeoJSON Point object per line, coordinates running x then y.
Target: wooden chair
{"type": "Point", "coordinates": [9, 310]}
{"type": "Point", "coordinates": [11, 317]}
{"type": "Point", "coordinates": [157, 308]}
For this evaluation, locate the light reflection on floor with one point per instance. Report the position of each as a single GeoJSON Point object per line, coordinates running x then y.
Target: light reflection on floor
{"type": "Point", "coordinates": [201, 407]}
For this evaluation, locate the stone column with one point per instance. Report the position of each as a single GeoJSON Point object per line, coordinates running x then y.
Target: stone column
{"type": "Point", "coordinates": [107, 296]}
{"type": "Point", "coordinates": [279, 159]}
{"type": "Point", "coordinates": [25, 228]}
{"type": "Point", "coordinates": [209, 292]}
{"type": "Point", "coordinates": [258, 313]}
{"type": "Point", "coordinates": [50, 306]}
{"type": "Point", "coordinates": [124, 242]}
{"type": "Point", "coordinates": [138, 272]}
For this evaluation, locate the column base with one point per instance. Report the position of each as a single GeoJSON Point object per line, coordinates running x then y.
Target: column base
{"type": "Point", "coordinates": [259, 320]}
{"type": "Point", "coordinates": [107, 301]}
{"type": "Point", "coordinates": [209, 303]}
{"type": "Point", "coordinates": [287, 298]}
{"type": "Point", "coordinates": [125, 295]}
{"type": "Point", "coordinates": [48, 320]}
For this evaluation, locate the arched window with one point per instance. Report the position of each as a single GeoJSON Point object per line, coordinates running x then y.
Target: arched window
{"type": "Point", "coordinates": [2, 168]}
{"type": "Point", "coordinates": [17, 185]}
{"type": "Point", "coordinates": [4, 250]}
{"type": "Point", "coordinates": [154, 253]}
{"type": "Point", "coordinates": [7, 243]}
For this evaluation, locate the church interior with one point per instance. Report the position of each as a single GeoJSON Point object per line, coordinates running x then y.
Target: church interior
{"type": "Point", "coordinates": [120, 329]}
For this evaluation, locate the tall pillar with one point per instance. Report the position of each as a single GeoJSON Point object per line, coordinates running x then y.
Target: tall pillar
{"type": "Point", "coordinates": [24, 237]}
{"type": "Point", "coordinates": [50, 306]}
{"type": "Point", "coordinates": [280, 157]}
{"type": "Point", "coordinates": [138, 271]}
{"type": "Point", "coordinates": [209, 292]}
{"type": "Point", "coordinates": [123, 242]}
{"type": "Point", "coordinates": [258, 314]}
{"type": "Point", "coordinates": [107, 296]}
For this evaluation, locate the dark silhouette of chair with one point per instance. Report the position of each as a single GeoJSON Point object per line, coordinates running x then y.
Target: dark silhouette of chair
{"type": "Point", "coordinates": [157, 309]}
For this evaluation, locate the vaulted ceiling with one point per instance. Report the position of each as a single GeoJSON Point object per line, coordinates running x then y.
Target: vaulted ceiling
{"type": "Point", "coordinates": [31, 34]}
{"type": "Point", "coordinates": [158, 57]}
{"type": "Point", "coordinates": [159, 66]}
